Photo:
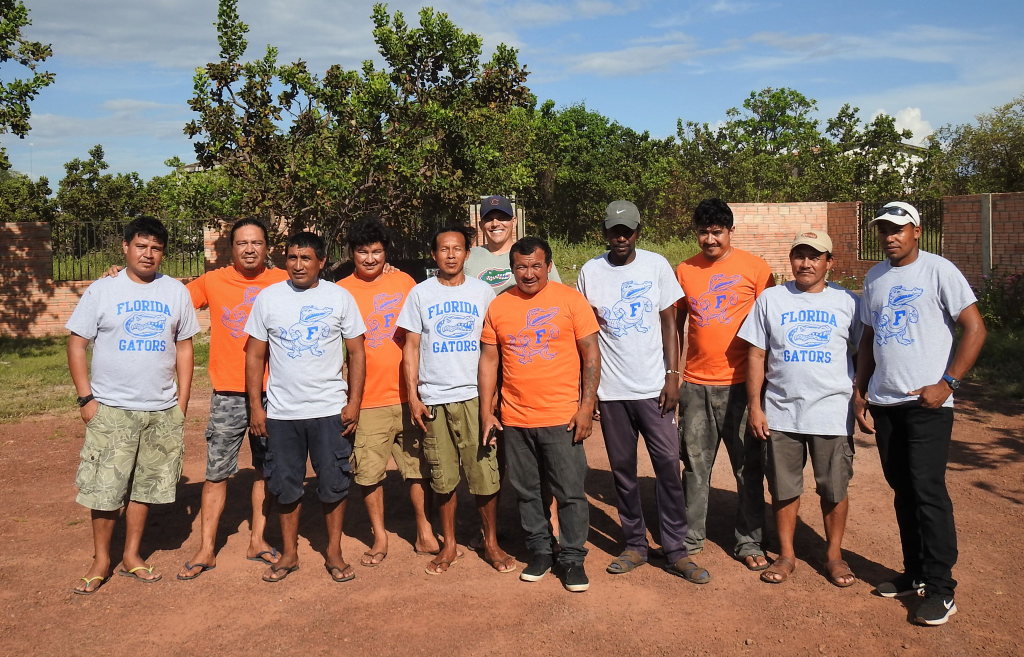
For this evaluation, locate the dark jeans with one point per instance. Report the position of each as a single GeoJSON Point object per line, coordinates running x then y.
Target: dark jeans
{"type": "Point", "coordinates": [289, 443]}
{"type": "Point", "coordinates": [913, 443]}
{"type": "Point", "coordinates": [622, 422]}
{"type": "Point", "coordinates": [565, 464]}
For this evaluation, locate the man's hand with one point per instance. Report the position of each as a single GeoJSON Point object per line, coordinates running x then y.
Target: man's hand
{"type": "Point", "coordinates": [758, 423]}
{"type": "Point", "coordinates": [389, 268]}
{"type": "Point", "coordinates": [258, 421]}
{"type": "Point", "coordinates": [933, 396]}
{"type": "Point", "coordinates": [349, 418]}
{"type": "Point", "coordinates": [490, 424]}
{"type": "Point", "coordinates": [112, 272]}
{"type": "Point", "coordinates": [582, 423]}
{"type": "Point", "coordinates": [89, 410]}
{"type": "Point", "coordinates": [860, 411]}
{"type": "Point", "coordinates": [419, 412]}
{"type": "Point", "coordinates": [668, 400]}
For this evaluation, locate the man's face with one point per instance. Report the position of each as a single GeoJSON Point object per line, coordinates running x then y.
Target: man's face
{"type": "Point", "coordinates": [497, 226]}
{"type": "Point", "coordinates": [303, 266]}
{"type": "Point", "coordinates": [809, 265]}
{"type": "Point", "coordinates": [530, 271]}
{"type": "Point", "coordinates": [714, 241]}
{"type": "Point", "coordinates": [143, 255]}
{"type": "Point", "coordinates": [451, 253]}
{"type": "Point", "coordinates": [897, 241]}
{"type": "Point", "coordinates": [621, 240]}
{"type": "Point", "coordinates": [369, 260]}
{"type": "Point", "coordinates": [249, 248]}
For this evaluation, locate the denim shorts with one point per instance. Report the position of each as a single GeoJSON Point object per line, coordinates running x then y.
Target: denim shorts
{"type": "Point", "coordinates": [290, 442]}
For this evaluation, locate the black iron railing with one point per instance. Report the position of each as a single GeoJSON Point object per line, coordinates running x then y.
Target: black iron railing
{"type": "Point", "coordinates": [931, 227]}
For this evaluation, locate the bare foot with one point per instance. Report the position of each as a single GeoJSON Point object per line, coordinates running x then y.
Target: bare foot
{"type": "Point", "coordinates": [260, 550]}
{"type": "Point", "coordinates": [283, 568]}
{"type": "Point", "coordinates": [427, 545]}
{"type": "Point", "coordinates": [94, 578]}
{"type": "Point", "coordinates": [755, 562]}
{"type": "Point", "coordinates": [202, 557]}
{"type": "Point", "coordinates": [443, 561]}
{"type": "Point", "coordinates": [500, 560]}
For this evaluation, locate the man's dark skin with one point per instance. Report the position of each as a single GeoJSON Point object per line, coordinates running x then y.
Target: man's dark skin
{"type": "Point", "coordinates": [900, 244]}
{"type": "Point", "coordinates": [304, 268]}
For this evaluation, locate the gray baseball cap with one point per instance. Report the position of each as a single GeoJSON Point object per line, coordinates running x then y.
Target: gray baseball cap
{"type": "Point", "coordinates": [621, 213]}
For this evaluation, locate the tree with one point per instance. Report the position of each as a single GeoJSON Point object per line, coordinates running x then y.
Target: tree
{"type": "Point", "coordinates": [87, 195]}
{"type": "Point", "coordinates": [24, 200]}
{"type": "Point", "coordinates": [16, 95]}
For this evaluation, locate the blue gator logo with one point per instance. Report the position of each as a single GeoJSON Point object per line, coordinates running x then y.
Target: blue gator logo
{"type": "Point", "coordinates": [809, 335]}
{"type": "Point", "coordinates": [145, 325]}
{"type": "Point", "coordinates": [455, 326]}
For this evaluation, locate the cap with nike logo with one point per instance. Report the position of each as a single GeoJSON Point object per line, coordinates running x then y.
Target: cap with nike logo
{"type": "Point", "coordinates": [621, 213]}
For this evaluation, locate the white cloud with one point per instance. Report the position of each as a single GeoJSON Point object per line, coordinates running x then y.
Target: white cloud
{"type": "Point", "coordinates": [909, 118]}
{"type": "Point", "coordinates": [730, 7]}
{"type": "Point", "coordinates": [637, 60]}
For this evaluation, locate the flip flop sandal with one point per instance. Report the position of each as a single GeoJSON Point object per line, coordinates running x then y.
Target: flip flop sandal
{"type": "Point", "coordinates": [202, 569]}
{"type": "Point", "coordinates": [341, 576]}
{"type": "Point", "coordinates": [432, 566]}
{"type": "Point", "coordinates": [88, 581]}
{"type": "Point", "coordinates": [427, 553]}
{"type": "Point", "coordinates": [373, 555]}
{"type": "Point", "coordinates": [782, 567]}
{"type": "Point", "coordinates": [499, 565]}
{"type": "Point", "coordinates": [756, 568]}
{"type": "Point", "coordinates": [837, 568]}
{"type": "Point", "coordinates": [133, 574]}
{"type": "Point", "coordinates": [287, 571]}
{"type": "Point", "coordinates": [689, 571]}
{"type": "Point", "coordinates": [625, 562]}
{"type": "Point", "coordinates": [259, 557]}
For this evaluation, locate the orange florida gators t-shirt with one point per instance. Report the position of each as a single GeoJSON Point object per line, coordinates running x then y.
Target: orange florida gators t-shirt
{"type": "Point", "coordinates": [719, 296]}
{"type": "Point", "coordinates": [540, 362]}
{"type": "Point", "coordinates": [229, 295]}
{"type": "Point", "coordinates": [380, 302]}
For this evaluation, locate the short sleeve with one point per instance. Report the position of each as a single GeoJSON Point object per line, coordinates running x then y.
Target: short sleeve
{"type": "Point", "coordinates": [857, 328]}
{"type": "Point", "coordinates": [488, 335]}
{"type": "Point", "coordinates": [671, 291]}
{"type": "Point", "coordinates": [681, 302]}
{"type": "Point", "coordinates": [554, 273]}
{"type": "Point", "coordinates": [584, 322]}
{"type": "Point", "coordinates": [83, 320]}
{"type": "Point", "coordinates": [954, 291]}
{"type": "Point", "coordinates": [352, 320]}
{"type": "Point", "coordinates": [189, 324]}
{"type": "Point", "coordinates": [864, 307]}
{"type": "Point", "coordinates": [764, 274]}
{"type": "Point", "coordinates": [755, 327]}
{"type": "Point", "coordinates": [255, 326]}
{"type": "Point", "coordinates": [410, 319]}
{"type": "Point", "coordinates": [581, 281]}
{"type": "Point", "coordinates": [197, 291]}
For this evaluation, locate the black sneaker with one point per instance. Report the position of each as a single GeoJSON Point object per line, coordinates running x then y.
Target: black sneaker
{"type": "Point", "coordinates": [900, 586]}
{"type": "Point", "coordinates": [935, 610]}
{"type": "Point", "coordinates": [538, 568]}
{"type": "Point", "coordinates": [575, 578]}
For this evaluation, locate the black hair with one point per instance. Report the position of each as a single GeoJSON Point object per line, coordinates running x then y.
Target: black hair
{"type": "Point", "coordinates": [526, 246]}
{"type": "Point", "coordinates": [467, 232]}
{"type": "Point", "coordinates": [146, 226]}
{"type": "Point", "coordinates": [308, 240]}
{"type": "Point", "coordinates": [713, 212]}
{"type": "Point", "coordinates": [368, 230]}
{"type": "Point", "coordinates": [249, 221]}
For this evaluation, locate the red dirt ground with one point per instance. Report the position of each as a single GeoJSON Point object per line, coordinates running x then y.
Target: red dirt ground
{"type": "Point", "coordinates": [396, 609]}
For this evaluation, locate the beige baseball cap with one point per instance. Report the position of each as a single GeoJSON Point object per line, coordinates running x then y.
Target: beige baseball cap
{"type": "Point", "coordinates": [816, 239]}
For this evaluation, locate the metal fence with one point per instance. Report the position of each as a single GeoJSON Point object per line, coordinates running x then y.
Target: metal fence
{"type": "Point", "coordinates": [931, 228]}
{"type": "Point", "coordinates": [83, 250]}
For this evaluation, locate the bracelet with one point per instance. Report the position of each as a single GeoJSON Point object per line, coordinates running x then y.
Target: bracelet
{"type": "Point", "coordinates": [673, 372]}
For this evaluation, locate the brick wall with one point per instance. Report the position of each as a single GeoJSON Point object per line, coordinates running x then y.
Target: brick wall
{"type": "Point", "coordinates": [961, 234]}
{"type": "Point", "coordinates": [845, 234]}
{"type": "Point", "coordinates": [767, 229]}
{"type": "Point", "coordinates": [1008, 233]}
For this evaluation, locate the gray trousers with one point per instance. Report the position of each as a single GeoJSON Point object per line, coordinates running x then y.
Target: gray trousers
{"type": "Point", "coordinates": [709, 415]}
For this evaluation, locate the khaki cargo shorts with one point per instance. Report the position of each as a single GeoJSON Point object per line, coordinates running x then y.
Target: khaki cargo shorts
{"type": "Point", "coordinates": [453, 436]}
{"type": "Point", "coordinates": [143, 447]}
{"type": "Point", "coordinates": [384, 433]}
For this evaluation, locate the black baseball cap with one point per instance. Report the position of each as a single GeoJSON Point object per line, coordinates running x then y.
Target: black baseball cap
{"type": "Point", "coordinates": [500, 203]}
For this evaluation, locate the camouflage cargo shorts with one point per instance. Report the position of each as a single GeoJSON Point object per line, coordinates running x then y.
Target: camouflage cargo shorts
{"type": "Point", "coordinates": [144, 448]}
{"type": "Point", "coordinates": [229, 422]}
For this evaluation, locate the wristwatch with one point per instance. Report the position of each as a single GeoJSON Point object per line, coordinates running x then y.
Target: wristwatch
{"type": "Point", "coordinates": [82, 401]}
{"type": "Point", "coordinates": [953, 383]}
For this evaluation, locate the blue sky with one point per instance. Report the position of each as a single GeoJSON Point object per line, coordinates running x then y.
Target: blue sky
{"type": "Point", "coordinates": [124, 67]}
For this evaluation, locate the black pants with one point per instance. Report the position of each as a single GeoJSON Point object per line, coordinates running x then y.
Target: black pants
{"type": "Point", "coordinates": [913, 443]}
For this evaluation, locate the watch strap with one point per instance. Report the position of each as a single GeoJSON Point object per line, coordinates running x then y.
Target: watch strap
{"type": "Point", "coordinates": [82, 401]}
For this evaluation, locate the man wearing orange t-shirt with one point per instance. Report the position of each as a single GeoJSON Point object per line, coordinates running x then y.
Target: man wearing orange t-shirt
{"type": "Point", "coordinates": [544, 335]}
{"type": "Point", "coordinates": [385, 428]}
{"type": "Point", "coordinates": [720, 285]}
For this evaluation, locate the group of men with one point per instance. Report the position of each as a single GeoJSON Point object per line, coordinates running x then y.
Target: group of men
{"type": "Point", "coordinates": [446, 377]}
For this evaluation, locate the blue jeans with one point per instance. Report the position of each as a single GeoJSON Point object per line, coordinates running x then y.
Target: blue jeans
{"type": "Point", "coordinates": [565, 464]}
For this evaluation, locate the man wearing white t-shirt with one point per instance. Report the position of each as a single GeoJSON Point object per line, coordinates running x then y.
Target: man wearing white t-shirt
{"type": "Point", "coordinates": [633, 293]}
{"type": "Point", "coordinates": [906, 374]}
{"type": "Point", "coordinates": [801, 335]}
{"type": "Point", "coordinates": [304, 327]}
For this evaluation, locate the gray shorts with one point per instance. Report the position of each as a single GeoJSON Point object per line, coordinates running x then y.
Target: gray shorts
{"type": "Point", "coordinates": [831, 461]}
{"type": "Point", "coordinates": [229, 422]}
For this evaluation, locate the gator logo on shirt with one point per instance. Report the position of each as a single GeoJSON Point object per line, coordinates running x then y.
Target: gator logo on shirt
{"type": "Point", "coordinates": [145, 325]}
{"type": "Point", "coordinates": [455, 326]}
{"type": "Point", "coordinates": [628, 312]}
{"type": "Point", "coordinates": [380, 324]}
{"type": "Point", "coordinates": [305, 334]}
{"type": "Point", "coordinates": [533, 339]}
{"type": "Point", "coordinates": [715, 303]}
{"type": "Point", "coordinates": [809, 335]}
{"type": "Point", "coordinates": [234, 318]}
{"type": "Point", "coordinates": [897, 316]}
{"type": "Point", "coordinates": [495, 277]}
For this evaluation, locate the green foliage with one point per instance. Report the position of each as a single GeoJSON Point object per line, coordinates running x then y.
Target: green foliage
{"type": "Point", "coordinates": [24, 200]}
{"type": "Point", "coordinates": [1001, 363]}
{"type": "Point", "coordinates": [1001, 300]}
{"type": "Point", "coordinates": [86, 194]}
{"type": "Point", "coordinates": [571, 255]}
{"type": "Point", "coordinates": [16, 94]}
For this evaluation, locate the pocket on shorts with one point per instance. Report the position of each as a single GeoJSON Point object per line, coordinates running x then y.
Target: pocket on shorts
{"type": "Point", "coordinates": [177, 415]}
{"type": "Point", "coordinates": [95, 416]}
{"type": "Point", "coordinates": [268, 465]}
{"type": "Point", "coordinates": [88, 467]}
{"type": "Point", "coordinates": [340, 485]}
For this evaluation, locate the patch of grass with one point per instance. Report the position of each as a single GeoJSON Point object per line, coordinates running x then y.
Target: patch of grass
{"type": "Point", "coordinates": [34, 375]}
{"type": "Point", "coordinates": [1001, 363]}
{"type": "Point", "coordinates": [570, 257]}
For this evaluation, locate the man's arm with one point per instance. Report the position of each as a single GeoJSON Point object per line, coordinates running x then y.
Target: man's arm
{"type": "Point", "coordinates": [411, 369]}
{"type": "Point", "coordinates": [356, 380]}
{"type": "Point", "coordinates": [865, 368]}
{"type": "Point", "coordinates": [669, 397]}
{"type": "Point", "coordinates": [255, 366]}
{"type": "Point", "coordinates": [184, 366]}
{"type": "Point", "coordinates": [590, 356]}
{"type": "Point", "coordinates": [487, 382]}
{"type": "Point", "coordinates": [681, 318]}
{"type": "Point", "coordinates": [755, 383]}
{"type": "Point", "coordinates": [78, 364]}
{"type": "Point", "coordinates": [971, 341]}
